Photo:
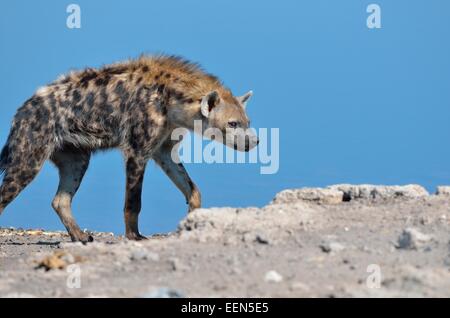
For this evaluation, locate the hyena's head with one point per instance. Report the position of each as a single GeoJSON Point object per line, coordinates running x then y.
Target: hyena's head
{"type": "Point", "coordinates": [229, 117]}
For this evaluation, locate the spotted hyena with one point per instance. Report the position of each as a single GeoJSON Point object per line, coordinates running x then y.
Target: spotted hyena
{"type": "Point", "coordinates": [133, 106]}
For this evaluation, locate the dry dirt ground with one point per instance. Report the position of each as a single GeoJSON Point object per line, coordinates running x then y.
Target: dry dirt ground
{"type": "Point", "coordinates": [342, 241]}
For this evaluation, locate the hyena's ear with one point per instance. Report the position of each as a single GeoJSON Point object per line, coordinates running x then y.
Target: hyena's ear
{"type": "Point", "coordinates": [209, 101]}
{"type": "Point", "coordinates": [244, 98]}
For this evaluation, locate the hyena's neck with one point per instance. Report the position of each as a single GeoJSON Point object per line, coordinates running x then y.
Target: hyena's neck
{"type": "Point", "coordinates": [182, 85]}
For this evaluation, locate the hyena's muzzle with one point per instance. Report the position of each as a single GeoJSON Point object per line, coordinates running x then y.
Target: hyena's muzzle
{"type": "Point", "coordinates": [241, 139]}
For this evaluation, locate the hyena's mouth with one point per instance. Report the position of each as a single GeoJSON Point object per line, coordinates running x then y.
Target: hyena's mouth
{"type": "Point", "coordinates": [247, 147]}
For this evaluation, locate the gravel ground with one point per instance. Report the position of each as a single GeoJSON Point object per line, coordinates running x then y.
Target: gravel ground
{"type": "Point", "coordinates": [342, 241]}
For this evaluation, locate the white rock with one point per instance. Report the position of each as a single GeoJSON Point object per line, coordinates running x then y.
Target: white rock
{"type": "Point", "coordinates": [443, 190]}
{"type": "Point", "coordinates": [330, 247]}
{"type": "Point", "coordinates": [273, 277]}
{"type": "Point", "coordinates": [411, 238]}
{"type": "Point", "coordinates": [325, 196]}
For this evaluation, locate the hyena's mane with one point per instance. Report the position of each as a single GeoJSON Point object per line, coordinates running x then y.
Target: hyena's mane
{"type": "Point", "coordinates": [179, 73]}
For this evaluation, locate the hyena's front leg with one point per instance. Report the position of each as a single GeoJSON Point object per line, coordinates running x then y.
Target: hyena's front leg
{"type": "Point", "coordinates": [72, 166]}
{"type": "Point", "coordinates": [178, 174]}
{"type": "Point", "coordinates": [135, 169]}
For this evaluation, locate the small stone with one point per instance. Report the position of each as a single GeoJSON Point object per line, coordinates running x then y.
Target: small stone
{"type": "Point", "coordinates": [177, 265]}
{"type": "Point", "coordinates": [443, 190]}
{"type": "Point", "coordinates": [139, 255]}
{"type": "Point", "coordinates": [164, 292]}
{"type": "Point", "coordinates": [412, 238]}
{"type": "Point", "coordinates": [330, 247]}
{"type": "Point", "coordinates": [262, 239]}
{"type": "Point", "coordinates": [273, 277]}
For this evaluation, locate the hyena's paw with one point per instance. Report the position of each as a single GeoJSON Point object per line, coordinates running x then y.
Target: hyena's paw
{"type": "Point", "coordinates": [135, 236]}
{"type": "Point", "coordinates": [83, 238]}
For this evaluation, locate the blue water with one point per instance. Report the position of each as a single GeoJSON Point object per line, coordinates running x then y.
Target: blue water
{"type": "Point", "coordinates": [353, 105]}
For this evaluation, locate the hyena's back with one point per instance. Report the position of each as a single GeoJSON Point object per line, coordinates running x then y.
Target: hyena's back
{"type": "Point", "coordinates": [91, 109]}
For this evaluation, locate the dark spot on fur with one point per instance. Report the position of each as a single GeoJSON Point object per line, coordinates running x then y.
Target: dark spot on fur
{"type": "Point", "coordinates": [12, 189]}
{"type": "Point", "coordinates": [76, 96]}
{"type": "Point", "coordinates": [119, 90]}
{"type": "Point", "coordinates": [114, 70]}
{"type": "Point", "coordinates": [90, 98]}
{"type": "Point", "coordinates": [145, 68]}
{"type": "Point", "coordinates": [23, 177]}
{"type": "Point", "coordinates": [65, 80]}
{"type": "Point", "coordinates": [124, 102]}
{"type": "Point", "coordinates": [108, 108]}
{"type": "Point", "coordinates": [52, 102]}
{"type": "Point", "coordinates": [68, 90]}
{"type": "Point", "coordinates": [103, 95]}
{"type": "Point", "coordinates": [86, 77]}
{"type": "Point", "coordinates": [160, 88]}
{"type": "Point", "coordinates": [36, 100]}
{"type": "Point", "coordinates": [42, 114]}
{"type": "Point", "coordinates": [64, 104]}
{"type": "Point", "coordinates": [159, 75]}
{"type": "Point", "coordinates": [101, 81]}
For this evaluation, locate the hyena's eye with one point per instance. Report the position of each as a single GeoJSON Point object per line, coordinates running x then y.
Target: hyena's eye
{"type": "Point", "coordinates": [232, 124]}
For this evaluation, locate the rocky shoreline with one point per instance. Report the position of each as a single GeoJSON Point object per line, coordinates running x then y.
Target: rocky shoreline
{"type": "Point", "coordinates": [339, 241]}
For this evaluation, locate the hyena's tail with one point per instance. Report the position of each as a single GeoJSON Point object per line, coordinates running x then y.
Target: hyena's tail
{"type": "Point", "coordinates": [4, 159]}
{"type": "Point", "coordinates": [29, 145]}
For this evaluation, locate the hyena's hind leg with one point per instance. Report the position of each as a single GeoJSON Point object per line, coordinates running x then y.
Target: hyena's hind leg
{"type": "Point", "coordinates": [72, 165]}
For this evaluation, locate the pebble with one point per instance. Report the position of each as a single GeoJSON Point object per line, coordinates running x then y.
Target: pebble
{"type": "Point", "coordinates": [443, 190]}
{"type": "Point", "coordinates": [330, 247]}
{"type": "Point", "coordinates": [177, 265]}
{"type": "Point", "coordinates": [273, 277]}
{"type": "Point", "coordinates": [412, 238]}
{"type": "Point", "coordinates": [262, 239]}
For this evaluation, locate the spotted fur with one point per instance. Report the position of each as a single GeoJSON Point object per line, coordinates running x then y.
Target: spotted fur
{"type": "Point", "coordinates": [132, 106]}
